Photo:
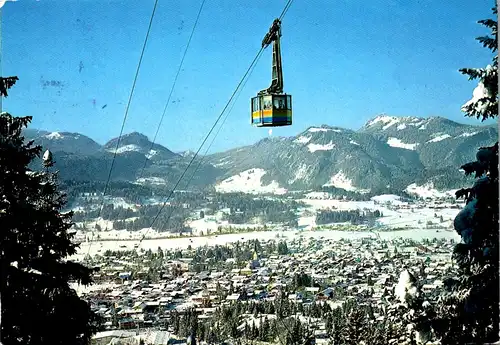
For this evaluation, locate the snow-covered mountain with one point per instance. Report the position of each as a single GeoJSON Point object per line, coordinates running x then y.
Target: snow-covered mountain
{"type": "Point", "coordinates": [387, 153]}
{"type": "Point", "coordinates": [439, 142]}
{"type": "Point", "coordinates": [63, 141]}
{"type": "Point", "coordinates": [323, 156]}
{"type": "Point", "coordinates": [137, 142]}
{"type": "Point", "coordinates": [78, 157]}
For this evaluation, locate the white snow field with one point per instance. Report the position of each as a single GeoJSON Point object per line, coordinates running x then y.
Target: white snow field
{"type": "Point", "coordinates": [415, 221]}
{"type": "Point", "coordinates": [249, 181]}
{"type": "Point", "coordinates": [184, 242]}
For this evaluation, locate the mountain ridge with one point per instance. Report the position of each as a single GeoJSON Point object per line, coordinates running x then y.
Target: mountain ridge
{"type": "Point", "coordinates": [387, 152]}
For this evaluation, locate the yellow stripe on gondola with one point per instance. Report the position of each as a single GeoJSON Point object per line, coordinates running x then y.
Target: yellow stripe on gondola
{"type": "Point", "coordinates": [271, 117]}
{"type": "Point", "coordinates": [268, 114]}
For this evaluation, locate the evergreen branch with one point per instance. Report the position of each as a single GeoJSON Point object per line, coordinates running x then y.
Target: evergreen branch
{"type": "Point", "coordinates": [488, 42]}
{"type": "Point", "coordinates": [490, 23]}
{"type": "Point", "coordinates": [5, 84]}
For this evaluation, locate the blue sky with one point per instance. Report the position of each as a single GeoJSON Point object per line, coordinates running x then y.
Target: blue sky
{"type": "Point", "coordinates": [345, 61]}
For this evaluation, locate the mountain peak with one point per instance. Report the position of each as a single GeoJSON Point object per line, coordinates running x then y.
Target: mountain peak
{"type": "Point", "coordinates": [187, 153]}
{"type": "Point", "coordinates": [62, 141]}
{"type": "Point", "coordinates": [387, 121]}
{"type": "Point", "coordinates": [135, 136]}
{"type": "Point", "coordinates": [59, 135]}
{"type": "Point", "coordinates": [384, 122]}
{"type": "Point", "coordinates": [324, 128]}
{"type": "Point", "coordinates": [382, 118]}
{"type": "Point", "coordinates": [138, 142]}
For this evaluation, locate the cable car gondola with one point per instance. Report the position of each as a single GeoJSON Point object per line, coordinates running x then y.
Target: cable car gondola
{"type": "Point", "coordinates": [271, 107]}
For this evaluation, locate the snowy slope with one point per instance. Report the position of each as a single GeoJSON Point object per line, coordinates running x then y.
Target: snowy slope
{"type": "Point", "coordinates": [249, 181]}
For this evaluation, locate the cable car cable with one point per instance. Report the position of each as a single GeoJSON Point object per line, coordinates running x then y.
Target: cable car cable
{"type": "Point", "coordinates": [130, 97]}
{"type": "Point", "coordinates": [126, 114]}
{"type": "Point", "coordinates": [287, 6]}
{"type": "Point", "coordinates": [218, 130]}
{"type": "Point", "coordinates": [173, 86]}
{"type": "Point", "coordinates": [285, 10]}
{"type": "Point", "coordinates": [203, 143]}
{"type": "Point", "coordinates": [172, 89]}
{"type": "Point", "coordinates": [213, 139]}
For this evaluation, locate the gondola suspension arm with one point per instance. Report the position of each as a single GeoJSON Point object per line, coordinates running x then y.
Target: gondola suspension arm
{"type": "Point", "coordinates": [273, 36]}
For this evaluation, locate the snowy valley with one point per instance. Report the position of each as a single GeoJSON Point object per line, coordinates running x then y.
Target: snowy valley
{"type": "Point", "coordinates": [394, 174]}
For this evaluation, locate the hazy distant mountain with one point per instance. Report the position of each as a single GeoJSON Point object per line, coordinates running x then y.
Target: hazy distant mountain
{"type": "Point", "coordinates": [387, 152]}
{"type": "Point", "coordinates": [63, 141]}
{"type": "Point", "coordinates": [78, 157]}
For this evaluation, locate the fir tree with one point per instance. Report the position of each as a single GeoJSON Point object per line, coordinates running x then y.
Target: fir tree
{"type": "Point", "coordinates": [246, 331]}
{"type": "Point", "coordinates": [38, 305]}
{"type": "Point", "coordinates": [212, 335]}
{"type": "Point", "coordinates": [469, 312]}
{"type": "Point", "coordinates": [484, 103]}
{"type": "Point", "coordinates": [355, 328]}
{"type": "Point", "coordinates": [265, 328]}
{"type": "Point", "coordinates": [254, 331]}
{"type": "Point", "coordinates": [202, 331]}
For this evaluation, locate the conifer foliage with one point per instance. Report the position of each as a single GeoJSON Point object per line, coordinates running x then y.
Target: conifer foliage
{"type": "Point", "coordinates": [37, 304]}
{"type": "Point", "coordinates": [484, 102]}
{"type": "Point", "coordinates": [470, 313]}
